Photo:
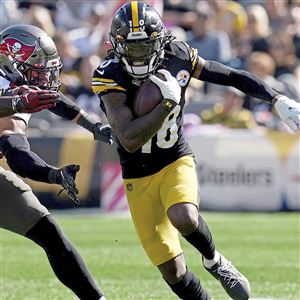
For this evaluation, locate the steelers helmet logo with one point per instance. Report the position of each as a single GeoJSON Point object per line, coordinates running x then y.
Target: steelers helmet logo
{"type": "Point", "coordinates": [183, 77]}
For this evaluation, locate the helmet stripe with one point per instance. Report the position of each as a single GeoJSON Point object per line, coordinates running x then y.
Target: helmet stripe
{"type": "Point", "coordinates": [135, 16]}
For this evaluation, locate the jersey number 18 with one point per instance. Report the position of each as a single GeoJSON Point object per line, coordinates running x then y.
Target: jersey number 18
{"type": "Point", "coordinates": [167, 135]}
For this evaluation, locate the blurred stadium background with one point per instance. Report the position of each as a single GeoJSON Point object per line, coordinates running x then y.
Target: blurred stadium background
{"type": "Point", "coordinates": [248, 160]}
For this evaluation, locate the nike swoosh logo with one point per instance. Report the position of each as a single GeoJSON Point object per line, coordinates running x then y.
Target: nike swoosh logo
{"type": "Point", "coordinates": [100, 72]}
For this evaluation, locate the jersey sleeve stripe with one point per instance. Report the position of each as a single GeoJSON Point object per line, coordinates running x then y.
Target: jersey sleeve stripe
{"type": "Point", "coordinates": [102, 88]}
{"type": "Point", "coordinates": [194, 58]}
{"type": "Point", "coordinates": [102, 79]}
{"type": "Point", "coordinates": [104, 83]}
{"type": "Point", "coordinates": [199, 67]}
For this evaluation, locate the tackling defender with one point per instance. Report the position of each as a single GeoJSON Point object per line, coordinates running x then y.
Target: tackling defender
{"type": "Point", "coordinates": [28, 55]}
{"type": "Point", "coordinates": [158, 168]}
{"type": "Point", "coordinates": [22, 213]}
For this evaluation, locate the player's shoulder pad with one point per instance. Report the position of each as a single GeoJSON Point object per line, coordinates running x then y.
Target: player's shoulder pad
{"type": "Point", "coordinates": [181, 50]}
{"type": "Point", "coordinates": [105, 77]}
{"type": "Point", "coordinates": [107, 68]}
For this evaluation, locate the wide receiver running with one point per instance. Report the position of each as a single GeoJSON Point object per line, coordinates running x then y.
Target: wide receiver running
{"type": "Point", "coordinates": [28, 56]}
{"type": "Point", "coordinates": [158, 168]}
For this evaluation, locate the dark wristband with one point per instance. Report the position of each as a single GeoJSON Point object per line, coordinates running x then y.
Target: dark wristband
{"type": "Point", "coordinates": [168, 104]}
{"type": "Point", "coordinates": [17, 103]}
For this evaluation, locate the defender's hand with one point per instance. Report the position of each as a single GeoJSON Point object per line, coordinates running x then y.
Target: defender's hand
{"type": "Point", "coordinates": [289, 111]}
{"type": "Point", "coordinates": [66, 177]}
{"type": "Point", "coordinates": [170, 89]}
{"type": "Point", "coordinates": [36, 100]}
{"type": "Point", "coordinates": [19, 90]}
{"type": "Point", "coordinates": [103, 133]}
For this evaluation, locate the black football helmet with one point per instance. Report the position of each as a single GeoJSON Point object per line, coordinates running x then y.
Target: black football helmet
{"type": "Point", "coordinates": [29, 56]}
{"type": "Point", "coordinates": [138, 37]}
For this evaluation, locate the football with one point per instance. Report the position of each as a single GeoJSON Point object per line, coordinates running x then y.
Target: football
{"type": "Point", "coordinates": [147, 97]}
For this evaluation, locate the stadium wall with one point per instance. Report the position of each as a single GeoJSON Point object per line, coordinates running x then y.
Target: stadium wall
{"type": "Point", "coordinates": [238, 170]}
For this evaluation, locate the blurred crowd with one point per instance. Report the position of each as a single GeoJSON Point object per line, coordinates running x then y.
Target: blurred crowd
{"type": "Point", "coordinates": [260, 36]}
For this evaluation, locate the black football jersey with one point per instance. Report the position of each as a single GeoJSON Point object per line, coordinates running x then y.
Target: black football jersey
{"type": "Point", "coordinates": [168, 144]}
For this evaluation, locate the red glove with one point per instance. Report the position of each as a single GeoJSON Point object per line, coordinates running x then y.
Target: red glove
{"type": "Point", "coordinates": [36, 100]}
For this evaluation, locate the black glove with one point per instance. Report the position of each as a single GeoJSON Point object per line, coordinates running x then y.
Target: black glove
{"type": "Point", "coordinates": [66, 178]}
{"type": "Point", "coordinates": [103, 133]}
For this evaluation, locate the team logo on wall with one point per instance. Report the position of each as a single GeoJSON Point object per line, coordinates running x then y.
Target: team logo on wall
{"type": "Point", "coordinates": [183, 77]}
{"type": "Point", "coordinates": [17, 49]}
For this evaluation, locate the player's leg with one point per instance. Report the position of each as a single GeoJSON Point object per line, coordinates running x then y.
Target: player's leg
{"type": "Point", "coordinates": [184, 217]}
{"type": "Point", "coordinates": [22, 213]}
{"type": "Point", "coordinates": [182, 282]}
{"type": "Point", "coordinates": [64, 259]}
{"type": "Point", "coordinates": [159, 237]}
{"type": "Point", "coordinates": [183, 213]}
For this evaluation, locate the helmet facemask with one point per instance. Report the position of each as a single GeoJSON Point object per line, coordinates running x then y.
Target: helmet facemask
{"type": "Point", "coordinates": [140, 56]}
{"type": "Point", "coordinates": [44, 78]}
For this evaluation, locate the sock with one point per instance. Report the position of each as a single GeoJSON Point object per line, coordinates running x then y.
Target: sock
{"type": "Point", "coordinates": [189, 288]}
{"type": "Point", "coordinates": [208, 263]}
{"type": "Point", "coordinates": [202, 240]}
{"type": "Point", "coordinates": [65, 261]}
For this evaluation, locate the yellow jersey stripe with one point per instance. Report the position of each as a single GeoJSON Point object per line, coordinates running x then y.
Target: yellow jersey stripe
{"type": "Point", "coordinates": [194, 56]}
{"type": "Point", "coordinates": [135, 16]}
{"type": "Point", "coordinates": [102, 79]}
{"type": "Point", "coordinates": [102, 88]}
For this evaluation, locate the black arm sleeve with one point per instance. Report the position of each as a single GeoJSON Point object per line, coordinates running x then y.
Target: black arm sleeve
{"type": "Point", "coordinates": [7, 105]}
{"type": "Point", "coordinates": [249, 84]}
{"type": "Point", "coordinates": [22, 161]}
{"type": "Point", "coordinates": [66, 108]}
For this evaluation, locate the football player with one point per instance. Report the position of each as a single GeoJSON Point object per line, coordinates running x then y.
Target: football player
{"type": "Point", "coordinates": [28, 56]}
{"type": "Point", "coordinates": [158, 168]}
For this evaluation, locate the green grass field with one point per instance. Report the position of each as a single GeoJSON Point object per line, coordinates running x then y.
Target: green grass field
{"type": "Point", "coordinates": [264, 246]}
